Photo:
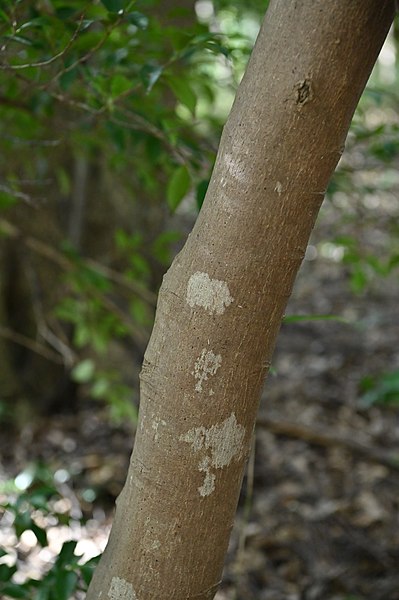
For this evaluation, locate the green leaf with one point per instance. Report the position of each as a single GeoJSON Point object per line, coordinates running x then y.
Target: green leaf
{"type": "Point", "coordinates": [138, 19]}
{"type": "Point", "coordinates": [121, 406]}
{"type": "Point", "coordinates": [119, 85]}
{"type": "Point", "coordinates": [68, 78]}
{"type": "Point", "coordinates": [65, 584]}
{"type": "Point", "coordinates": [37, 23]}
{"type": "Point", "coordinates": [383, 391]}
{"type": "Point", "coordinates": [178, 186]}
{"type": "Point", "coordinates": [162, 247]}
{"type": "Point", "coordinates": [43, 593]}
{"type": "Point", "coordinates": [7, 572]}
{"type": "Point", "coordinates": [15, 590]}
{"type": "Point", "coordinates": [65, 12]}
{"type": "Point", "coordinates": [358, 279]}
{"type": "Point", "coordinates": [139, 311]}
{"type": "Point", "coordinates": [217, 48]}
{"type": "Point", "coordinates": [83, 371]}
{"type": "Point", "coordinates": [183, 92]}
{"type": "Point", "coordinates": [393, 262]}
{"type": "Point", "coordinates": [6, 200]}
{"type": "Point", "coordinates": [63, 180]}
{"type": "Point", "coordinates": [39, 500]}
{"type": "Point", "coordinates": [20, 39]}
{"type": "Point", "coordinates": [87, 569]}
{"type": "Point", "coordinates": [69, 310]}
{"type": "Point", "coordinates": [139, 264]}
{"type": "Point", "coordinates": [67, 554]}
{"type": "Point", "coordinates": [83, 335]}
{"type": "Point", "coordinates": [23, 521]}
{"type": "Point", "coordinates": [202, 188]}
{"type": "Point", "coordinates": [114, 6]}
{"type": "Point", "coordinates": [150, 75]}
{"type": "Point", "coordinates": [40, 533]}
{"type": "Point", "coordinates": [100, 388]}
{"type": "Point", "coordinates": [4, 16]}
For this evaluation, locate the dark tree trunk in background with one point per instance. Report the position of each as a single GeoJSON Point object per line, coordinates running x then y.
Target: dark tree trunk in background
{"type": "Point", "coordinates": [222, 301]}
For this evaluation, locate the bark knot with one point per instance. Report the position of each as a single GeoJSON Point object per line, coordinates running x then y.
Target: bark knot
{"type": "Point", "coordinates": [303, 91]}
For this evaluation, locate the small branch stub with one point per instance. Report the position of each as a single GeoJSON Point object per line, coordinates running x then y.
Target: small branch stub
{"type": "Point", "coordinates": [303, 91]}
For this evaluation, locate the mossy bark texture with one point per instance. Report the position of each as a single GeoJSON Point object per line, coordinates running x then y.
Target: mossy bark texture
{"type": "Point", "coordinates": [222, 301]}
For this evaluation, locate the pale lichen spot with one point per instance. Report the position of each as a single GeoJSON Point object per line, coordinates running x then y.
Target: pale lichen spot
{"type": "Point", "coordinates": [206, 366]}
{"type": "Point", "coordinates": [227, 202]}
{"type": "Point", "coordinates": [121, 589]}
{"type": "Point", "coordinates": [208, 486]}
{"type": "Point", "coordinates": [235, 168]}
{"type": "Point", "coordinates": [278, 188]}
{"type": "Point", "coordinates": [155, 426]}
{"type": "Point", "coordinates": [142, 424]}
{"type": "Point", "coordinates": [211, 294]}
{"type": "Point", "coordinates": [218, 445]}
{"type": "Point", "coordinates": [195, 437]}
{"type": "Point", "coordinates": [151, 545]}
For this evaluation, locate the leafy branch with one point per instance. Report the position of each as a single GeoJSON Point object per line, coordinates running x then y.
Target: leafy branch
{"type": "Point", "coordinates": [46, 63]}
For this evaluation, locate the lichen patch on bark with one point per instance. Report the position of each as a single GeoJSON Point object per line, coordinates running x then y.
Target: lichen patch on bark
{"type": "Point", "coordinates": [211, 294]}
{"type": "Point", "coordinates": [155, 426]}
{"type": "Point", "coordinates": [235, 168]}
{"type": "Point", "coordinates": [278, 188]}
{"type": "Point", "coordinates": [121, 589]}
{"type": "Point", "coordinates": [151, 545]}
{"type": "Point", "coordinates": [218, 446]}
{"type": "Point", "coordinates": [208, 485]}
{"type": "Point", "coordinates": [206, 366]}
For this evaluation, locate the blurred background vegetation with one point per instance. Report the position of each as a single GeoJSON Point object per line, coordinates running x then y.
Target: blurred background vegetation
{"type": "Point", "coordinates": [110, 114]}
{"type": "Point", "coordinates": [110, 117]}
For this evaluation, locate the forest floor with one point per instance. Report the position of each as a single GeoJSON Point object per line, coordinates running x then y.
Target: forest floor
{"type": "Point", "coordinates": [323, 520]}
{"type": "Point", "coordinates": [318, 516]}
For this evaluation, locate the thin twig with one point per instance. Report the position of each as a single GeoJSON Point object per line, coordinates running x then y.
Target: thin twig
{"type": "Point", "coordinates": [84, 58]}
{"type": "Point", "coordinates": [66, 264]}
{"type": "Point", "coordinates": [92, 50]}
{"type": "Point", "coordinates": [319, 437]}
{"type": "Point", "coordinates": [138, 332]}
{"type": "Point", "coordinates": [35, 142]}
{"type": "Point", "coordinates": [77, 104]}
{"type": "Point", "coordinates": [138, 123]}
{"type": "Point", "coordinates": [17, 194]}
{"type": "Point", "coordinates": [49, 61]}
{"type": "Point", "coordinates": [69, 357]}
{"type": "Point", "coordinates": [30, 344]}
{"type": "Point", "coordinates": [146, 295]}
{"type": "Point", "coordinates": [13, 103]}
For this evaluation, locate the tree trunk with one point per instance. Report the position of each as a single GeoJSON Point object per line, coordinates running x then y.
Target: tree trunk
{"type": "Point", "coordinates": [222, 301]}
